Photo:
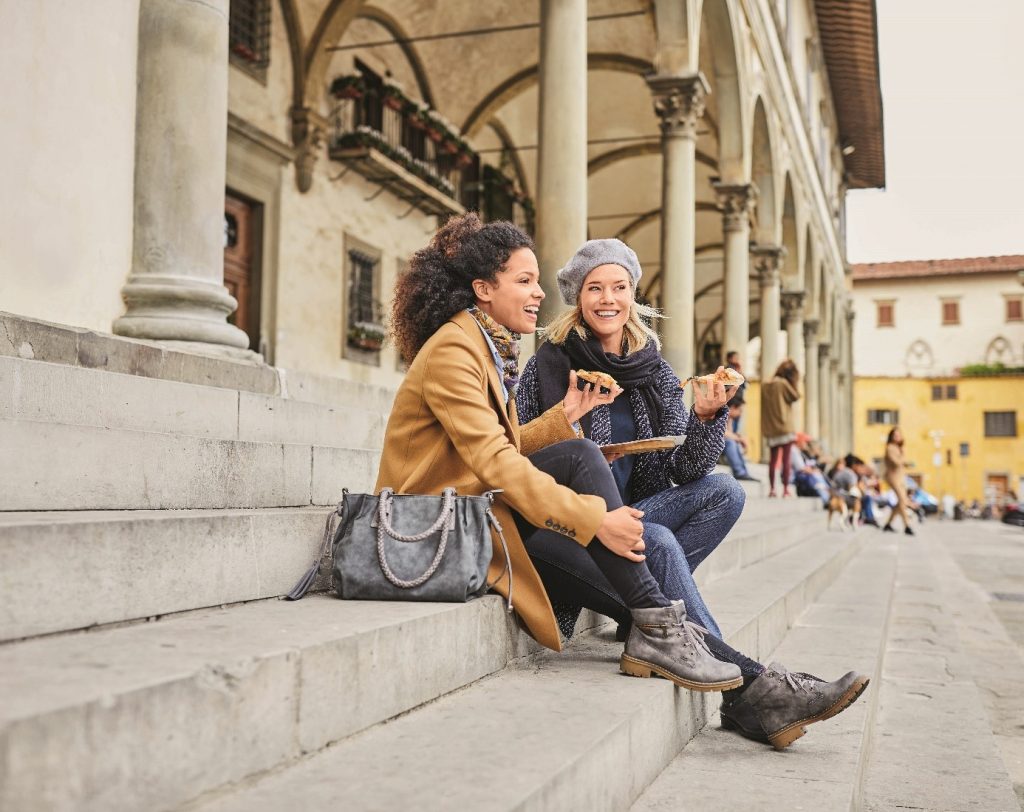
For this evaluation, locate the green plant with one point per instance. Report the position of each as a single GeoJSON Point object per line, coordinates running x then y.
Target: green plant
{"type": "Point", "coordinates": [997, 368]}
{"type": "Point", "coordinates": [352, 86]}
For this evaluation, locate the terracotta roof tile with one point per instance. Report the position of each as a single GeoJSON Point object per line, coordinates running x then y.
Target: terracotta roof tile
{"type": "Point", "coordinates": [1011, 263]}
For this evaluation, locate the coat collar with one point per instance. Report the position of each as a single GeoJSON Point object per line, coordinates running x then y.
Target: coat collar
{"type": "Point", "coordinates": [472, 329]}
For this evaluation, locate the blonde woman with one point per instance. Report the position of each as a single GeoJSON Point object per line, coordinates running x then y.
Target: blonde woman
{"type": "Point", "coordinates": [687, 510]}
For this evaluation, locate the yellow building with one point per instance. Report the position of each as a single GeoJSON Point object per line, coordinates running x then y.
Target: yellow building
{"type": "Point", "coordinates": [962, 434]}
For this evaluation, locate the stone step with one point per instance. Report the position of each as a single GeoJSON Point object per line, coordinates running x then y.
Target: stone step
{"type": "Point", "coordinates": [150, 715]}
{"type": "Point", "coordinates": [68, 395]}
{"type": "Point", "coordinates": [933, 746]}
{"type": "Point", "coordinates": [125, 565]}
{"type": "Point", "coordinates": [51, 466]}
{"type": "Point", "coordinates": [557, 732]}
{"type": "Point", "coordinates": [844, 629]}
{"type": "Point", "coordinates": [75, 347]}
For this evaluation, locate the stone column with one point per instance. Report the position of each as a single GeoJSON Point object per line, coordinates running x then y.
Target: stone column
{"type": "Point", "coordinates": [826, 424]}
{"type": "Point", "coordinates": [679, 103]}
{"type": "Point", "coordinates": [562, 142]}
{"type": "Point", "coordinates": [812, 424]}
{"type": "Point", "coordinates": [838, 382]}
{"type": "Point", "coordinates": [793, 322]}
{"type": "Point", "coordinates": [175, 291]}
{"type": "Point", "coordinates": [736, 201]}
{"type": "Point", "coordinates": [768, 260]}
{"type": "Point", "coordinates": [851, 380]}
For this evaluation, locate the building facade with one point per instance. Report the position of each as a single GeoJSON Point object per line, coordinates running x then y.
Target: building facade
{"type": "Point", "coordinates": [939, 351]}
{"type": "Point", "coordinates": [248, 179]}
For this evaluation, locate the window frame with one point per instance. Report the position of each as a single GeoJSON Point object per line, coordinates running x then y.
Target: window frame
{"type": "Point", "coordinates": [879, 304]}
{"type": "Point", "coordinates": [258, 64]}
{"type": "Point", "coordinates": [1017, 299]}
{"type": "Point", "coordinates": [355, 250]}
{"type": "Point", "coordinates": [949, 302]}
{"type": "Point", "coordinates": [987, 426]}
{"type": "Point", "coordinates": [877, 417]}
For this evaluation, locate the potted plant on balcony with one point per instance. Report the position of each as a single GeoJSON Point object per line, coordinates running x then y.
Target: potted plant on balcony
{"type": "Point", "coordinates": [393, 96]}
{"type": "Point", "coordinates": [352, 86]}
{"type": "Point", "coordinates": [367, 335]}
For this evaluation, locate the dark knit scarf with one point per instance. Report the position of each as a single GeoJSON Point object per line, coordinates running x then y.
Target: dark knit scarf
{"type": "Point", "coordinates": [635, 371]}
{"type": "Point", "coordinates": [506, 343]}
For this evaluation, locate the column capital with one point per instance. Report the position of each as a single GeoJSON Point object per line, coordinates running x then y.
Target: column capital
{"type": "Point", "coordinates": [850, 314]}
{"type": "Point", "coordinates": [736, 202]}
{"type": "Point", "coordinates": [833, 364]}
{"type": "Point", "coordinates": [308, 131]}
{"type": "Point", "coordinates": [824, 349]}
{"type": "Point", "coordinates": [810, 331]}
{"type": "Point", "coordinates": [768, 261]}
{"type": "Point", "coordinates": [679, 102]}
{"type": "Point", "coordinates": [792, 304]}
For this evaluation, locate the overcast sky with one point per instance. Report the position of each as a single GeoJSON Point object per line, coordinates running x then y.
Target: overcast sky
{"type": "Point", "coordinates": [953, 102]}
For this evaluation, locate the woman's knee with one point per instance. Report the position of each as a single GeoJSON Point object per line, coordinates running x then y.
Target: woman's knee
{"type": "Point", "coordinates": [727, 491]}
{"type": "Point", "coordinates": [662, 547]}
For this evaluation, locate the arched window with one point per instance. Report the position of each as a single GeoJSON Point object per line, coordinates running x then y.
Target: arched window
{"type": "Point", "coordinates": [919, 358]}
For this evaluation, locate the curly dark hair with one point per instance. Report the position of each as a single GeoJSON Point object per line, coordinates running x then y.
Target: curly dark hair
{"type": "Point", "coordinates": [439, 281]}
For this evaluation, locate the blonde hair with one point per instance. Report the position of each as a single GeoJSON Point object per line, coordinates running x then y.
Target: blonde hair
{"type": "Point", "coordinates": [635, 335]}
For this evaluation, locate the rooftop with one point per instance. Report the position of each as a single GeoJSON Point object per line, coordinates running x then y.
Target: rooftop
{"type": "Point", "coordinates": [849, 41]}
{"type": "Point", "coordinates": [1012, 263]}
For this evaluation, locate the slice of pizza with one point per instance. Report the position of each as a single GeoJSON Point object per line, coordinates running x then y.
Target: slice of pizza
{"type": "Point", "coordinates": [604, 382]}
{"type": "Point", "coordinates": [726, 376]}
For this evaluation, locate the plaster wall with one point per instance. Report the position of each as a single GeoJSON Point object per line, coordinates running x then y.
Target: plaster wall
{"type": "Point", "coordinates": [918, 318]}
{"type": "Point", "coordinates": [67, 154]}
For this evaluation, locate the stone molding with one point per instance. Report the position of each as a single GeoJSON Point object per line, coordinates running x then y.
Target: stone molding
{"type": "Point", "coordinates": [810, 331]}
{"type": "Point", "coordinates": [679, 102]}
{"type": "Point", "coordinates": [736, 201]}
{"type": "Point", "coordinates": [824, 350]}
{"type": "Point", "coordinates": [309, 129]}
{"type": "Point", "coordinates": [792, 304]}
{"type": "Point", "coordinates": [768, 260]}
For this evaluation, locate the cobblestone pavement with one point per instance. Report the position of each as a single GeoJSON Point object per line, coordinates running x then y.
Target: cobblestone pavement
{"type": "Point", "coordinates": [990, 555]}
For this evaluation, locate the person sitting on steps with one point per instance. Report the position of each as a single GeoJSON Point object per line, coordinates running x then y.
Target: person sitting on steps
{"type": "Point", "coordinates": [735, 443]}
{"type": "Point", "coordinates": [687, 511]}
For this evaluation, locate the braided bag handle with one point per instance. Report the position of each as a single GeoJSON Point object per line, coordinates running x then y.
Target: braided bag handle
{"type": "Point", "coordinates": [444, 523]}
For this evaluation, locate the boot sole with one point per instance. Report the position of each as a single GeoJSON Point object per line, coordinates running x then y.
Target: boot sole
{"type": "Point", "coordinates": [757, 736]}
{"type": "Point", "coordinates": [639, 668]}
{"type": "Point", "coordinates": [781, 739]}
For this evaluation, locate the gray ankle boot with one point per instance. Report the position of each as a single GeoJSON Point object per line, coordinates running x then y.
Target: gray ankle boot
{"type": "Point", "coordinates": [778, 704]}
{"type": "Point", "coordinates": [663, 642]}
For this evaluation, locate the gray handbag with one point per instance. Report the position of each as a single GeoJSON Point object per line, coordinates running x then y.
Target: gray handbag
{"type": "Point", "coordinates": [410, 547]}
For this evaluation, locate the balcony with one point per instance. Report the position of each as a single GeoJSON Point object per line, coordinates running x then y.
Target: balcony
{"type": "Point", "coordinates": [412, 152]}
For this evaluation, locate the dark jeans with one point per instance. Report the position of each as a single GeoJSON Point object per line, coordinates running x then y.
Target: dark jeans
{"type": "Point", "coordinates": [579, 464]}
{"type": "Point", "coordinates": [575, 576]}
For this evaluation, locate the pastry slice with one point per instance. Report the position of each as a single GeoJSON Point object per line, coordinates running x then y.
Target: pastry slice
{"type": "Point", "coordinates": [726, 376]}
{"type": "Point", "coordinates": [604, 382]}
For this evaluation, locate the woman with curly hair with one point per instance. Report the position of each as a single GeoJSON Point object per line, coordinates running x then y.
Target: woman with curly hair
{"type": "Point", "coordinates": [457, 319]}
{"type": "Point", "coordinates": [687, 510]}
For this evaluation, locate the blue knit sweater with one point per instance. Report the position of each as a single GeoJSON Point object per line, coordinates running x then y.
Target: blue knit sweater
{"type": "Point", "coordinates": [654, 471]}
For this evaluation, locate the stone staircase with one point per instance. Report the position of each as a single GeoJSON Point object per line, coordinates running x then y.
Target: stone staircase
{"type": "Point", "coordinates": [150, 520]}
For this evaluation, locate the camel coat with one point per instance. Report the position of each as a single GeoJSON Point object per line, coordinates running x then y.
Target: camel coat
{"type": "Point", "coordinates": [449, 427]}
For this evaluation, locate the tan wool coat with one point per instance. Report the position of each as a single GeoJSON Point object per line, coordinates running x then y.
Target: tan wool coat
{"type": "Point", "coordinates": [449, 427]}
{"type": "Point", "coordinates": [777, 399]}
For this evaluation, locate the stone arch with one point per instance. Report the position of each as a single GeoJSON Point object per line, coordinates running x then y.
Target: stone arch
{"type": "Point", "coordinates": [999, 351]}
{"type": "Point", "coordinates": [293, 32]}
{"type": "Point", "coordinates": [791, 265]}
{"type": "Point", "coordinates": [762, 173]}
{"type": "Point", "coordinates": [330, 28]}
{"type": "Point", "coordinates": [395, 29]}
{"type": "Point", "coordinates": [613, 156]}
{"type": "Point", "coordinates": [717, 18]}
{"type": "Point", "coordinates": [919, 357]}
{"type": "Point", "coordinates": [507, 144]}
{"type": "Point", "coordinates": [674, 27]}
{"type": "Point", "coordinates": [511, 87]}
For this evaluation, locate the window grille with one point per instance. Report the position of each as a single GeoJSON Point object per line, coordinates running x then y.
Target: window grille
{"type": "Point", "coordinates": [249, 26]}
{"type": "Point", "coordinates": [883, 417]}
{"type": "Point", "coordinates": [361, 279]}
{"type": "Point", "coordinates": [1000, 424]}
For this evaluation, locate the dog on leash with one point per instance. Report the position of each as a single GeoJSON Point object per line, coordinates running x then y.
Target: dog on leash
{"type": "Point", "coordinates": [846, 506]}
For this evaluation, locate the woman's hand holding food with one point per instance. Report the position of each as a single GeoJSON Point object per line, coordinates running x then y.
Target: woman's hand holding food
{"type": "Point", "coordinates": [579, 402]}
{"type": "Point", "coordinates": [710, 395]}
{"type": "Point", "coordinates": [622, 532]}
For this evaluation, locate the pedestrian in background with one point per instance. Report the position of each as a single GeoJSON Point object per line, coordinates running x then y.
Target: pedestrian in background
{"type": "Point", "coordinates": [896, 478]}
{"type": "Point", "coordinates": [777, 398]}
{"type": "Point", "coordinates": [736, 443]}
{"type": "Point", "coordinates": [732, 361]}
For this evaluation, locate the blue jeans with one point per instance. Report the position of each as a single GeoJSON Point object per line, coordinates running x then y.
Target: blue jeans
{"type": "Point", "coordinates": [682, 526]}
{"type": "Point", "coordinates": [734, 456]}
{"type": "Point", "coordinates": [811, 484]}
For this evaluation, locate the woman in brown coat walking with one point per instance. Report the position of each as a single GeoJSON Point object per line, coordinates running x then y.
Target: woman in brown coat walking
{"type": "Point", "coordinates": [777, 426]}
{"type": "Point", "coordinates": [896, 478]}
{"type": "Point", "coordinates": [457, 319]}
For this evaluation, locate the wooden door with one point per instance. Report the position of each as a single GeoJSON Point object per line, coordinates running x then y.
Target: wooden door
{"type": "Point", "coordinates": [996, 486]}
{"type": "Point", "coordinates": [241, 267]}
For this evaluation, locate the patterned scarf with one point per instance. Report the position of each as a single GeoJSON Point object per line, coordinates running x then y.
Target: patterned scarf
{"type": "Point", "coordinates": [506, 343]}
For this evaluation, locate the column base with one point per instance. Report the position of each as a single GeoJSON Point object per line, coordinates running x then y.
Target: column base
{"type": "Point", "coordinates": [184, 311]}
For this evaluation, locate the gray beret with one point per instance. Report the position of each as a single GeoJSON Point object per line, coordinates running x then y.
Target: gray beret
{"type": "Point", "coordinates": [590, 255]}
